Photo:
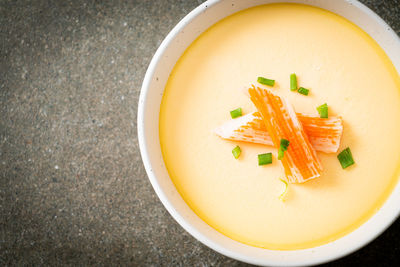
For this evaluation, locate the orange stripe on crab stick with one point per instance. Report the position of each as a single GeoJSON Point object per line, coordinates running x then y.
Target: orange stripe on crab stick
{"type": "Point", "coordinates": [323, 134]}
{"type": "Point", "coordinates": [300, 161]}
{"type": "Point", "coordinates": [248, 128]}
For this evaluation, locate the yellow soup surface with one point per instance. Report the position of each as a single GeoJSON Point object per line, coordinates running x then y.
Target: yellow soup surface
{"type": "Point", "coordinates": [341, 65]}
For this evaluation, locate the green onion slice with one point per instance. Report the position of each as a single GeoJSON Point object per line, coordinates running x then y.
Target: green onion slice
{"type": "Point", "coordinates": [303, 91]}
{"type": "Point", "coordinates": [282, 148]}
{"type": "Point", "coordinates": [293, 82]}
{"type": "Point", "coordinates": [236, 152]}
{"type": "Point", "coordinates": [236, 113]}
{"type": "Point", "coordinates": [281, 153]}
{"type": "Point", "coordinates": [345, 158]}
{"type": "Point", "coordinates": [285, 143]}
{"type": "Point", "coordinates": [323, 111]}
{"type": "Point", "coordinates": [282, 196]}
{"type": "Point", "coordinates": [266, 81]}
{"type": "Point", "coordinates": [264, 159]}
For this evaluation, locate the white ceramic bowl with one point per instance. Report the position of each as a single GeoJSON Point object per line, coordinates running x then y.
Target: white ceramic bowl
{"type": "Point", "coordinates": [152, 90]}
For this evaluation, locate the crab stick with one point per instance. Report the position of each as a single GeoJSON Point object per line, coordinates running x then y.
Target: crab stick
{"type": "Point", "coordinates": [300, 161]}
{"type": "Point", "coordinates": [323, 134]}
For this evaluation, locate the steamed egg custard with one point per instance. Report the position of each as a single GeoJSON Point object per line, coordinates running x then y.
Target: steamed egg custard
{"type": "Point", "coordinates": [342, 66]}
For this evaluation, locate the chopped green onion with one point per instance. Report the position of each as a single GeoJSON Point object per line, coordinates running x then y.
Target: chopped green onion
{"type": "Point", "coordinates": [281, 153]}
{"type": "Point", "coordinates": [345, 158]}
{"type": "Point", "coordinates": [266, 81]}
{"type": "Point", "coordinates": [264, 159]}
{"type": "Point", "coordinates": [282, 196]}
{"type": "Point", "coordinates": [282, 148]}
{"type": "Point", "coordinates": [236, 152]}
{"type": "Point", "coordinates": [293, 82]}
{"type": "Point", "coordinates": [323, 111]}
{"type": "Point", "coordinates": [303, 91]}
{"type": "Point", "coordinates": [236, 113]}
{"type": "Point", "coordinates": [285, 143]}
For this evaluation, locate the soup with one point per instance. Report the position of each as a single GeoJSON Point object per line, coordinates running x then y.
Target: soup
{"type": "Point", "coordinates": [342, 66]}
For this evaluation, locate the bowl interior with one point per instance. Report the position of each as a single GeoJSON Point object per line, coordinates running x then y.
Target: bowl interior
{"type": "Point", "coordinates": [154, 82]}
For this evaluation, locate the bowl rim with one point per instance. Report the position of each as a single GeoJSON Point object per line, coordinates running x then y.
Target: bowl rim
{"type": "Point", "coordinates": [143, 146]}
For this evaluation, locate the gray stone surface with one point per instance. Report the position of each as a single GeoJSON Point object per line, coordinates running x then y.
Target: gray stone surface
{"type": "Point", "coordinates": [73, 189]}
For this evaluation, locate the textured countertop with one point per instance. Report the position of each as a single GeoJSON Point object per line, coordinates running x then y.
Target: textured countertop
{"type": "Point", "coordinates": [73, 189]}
